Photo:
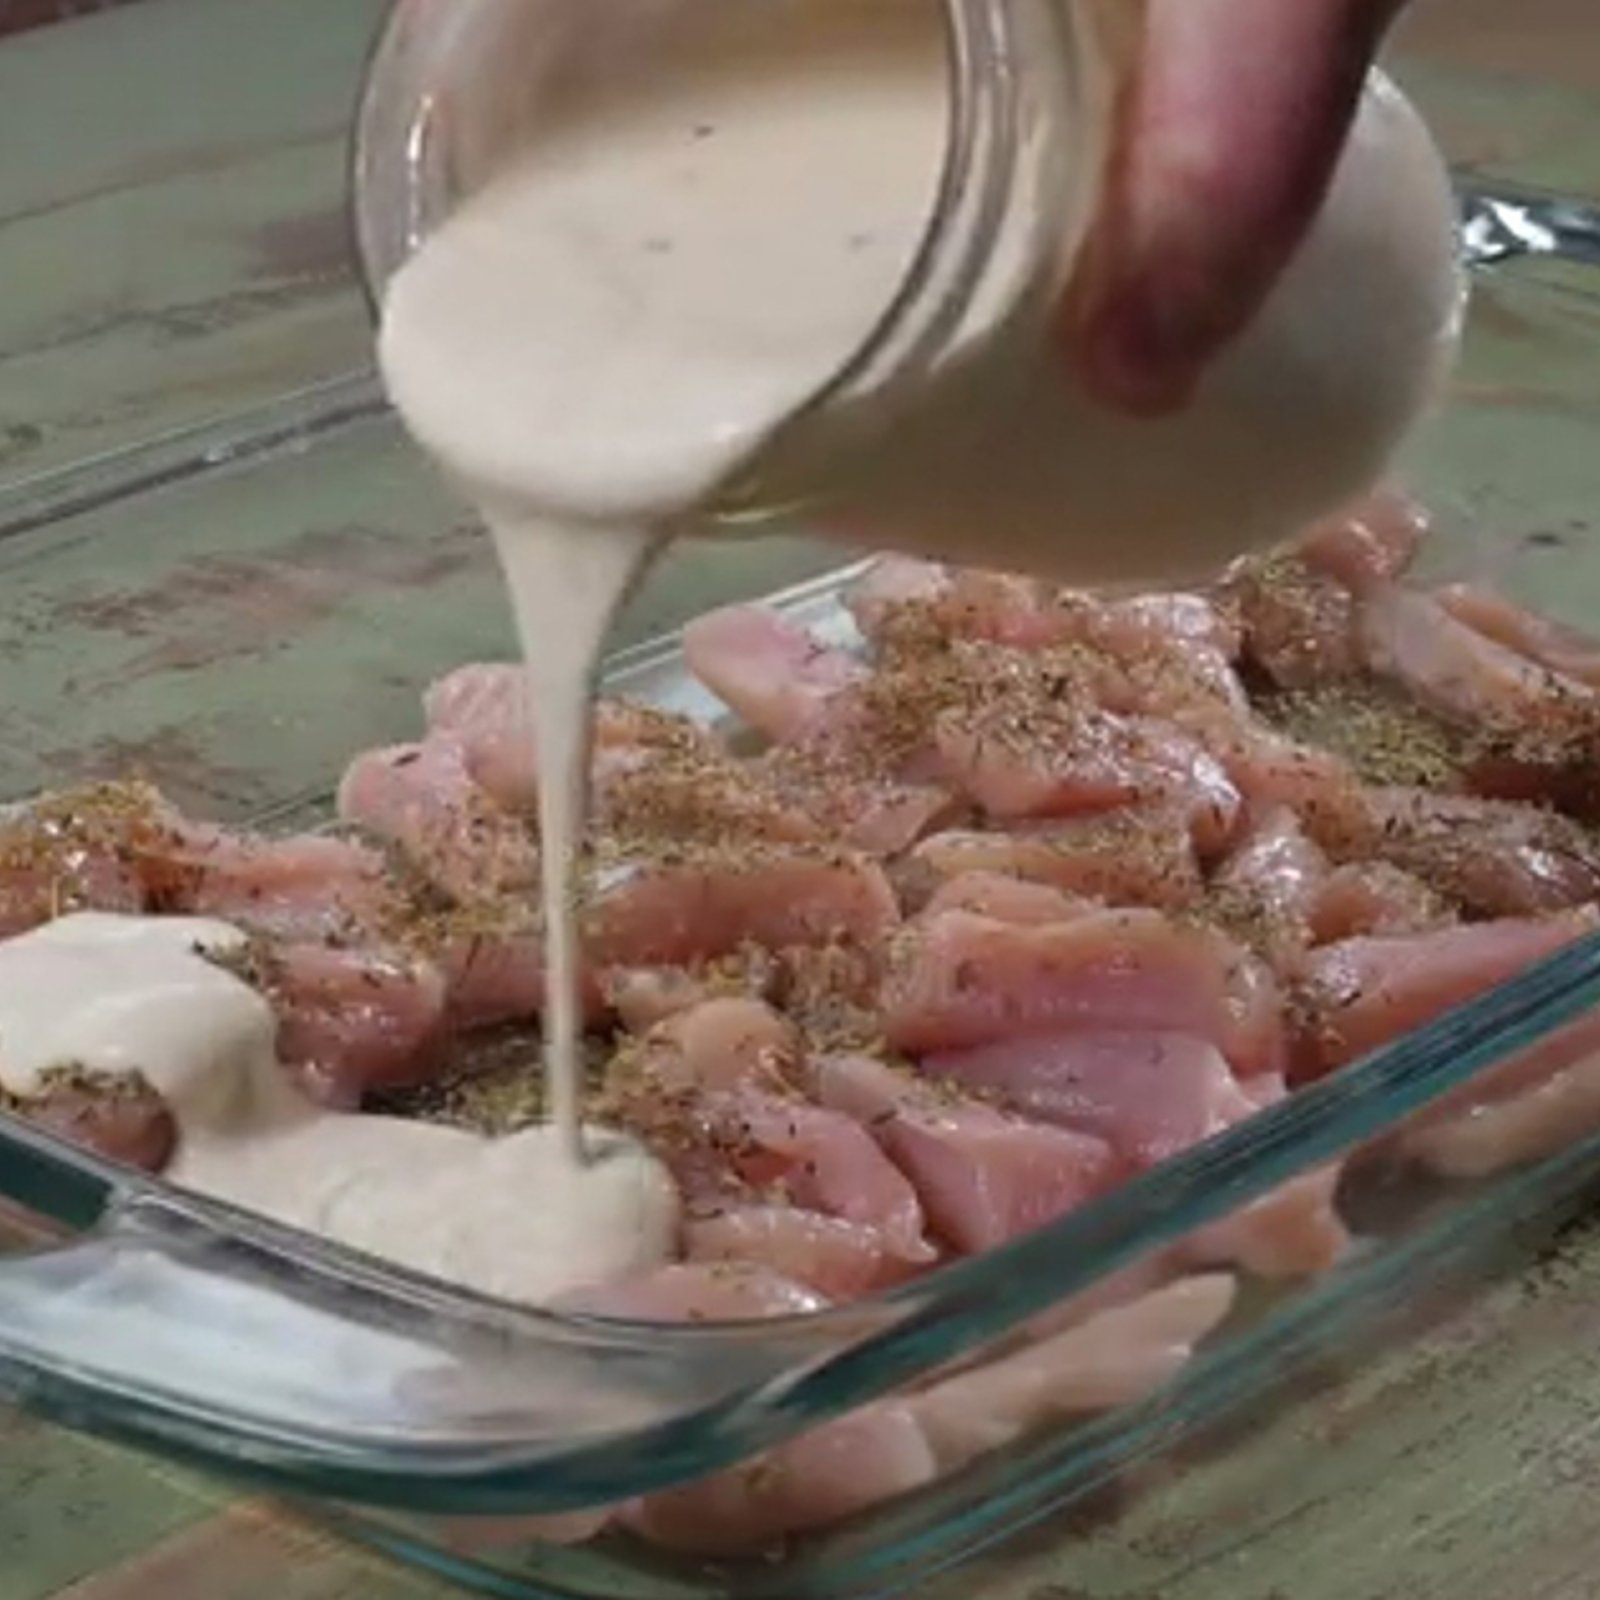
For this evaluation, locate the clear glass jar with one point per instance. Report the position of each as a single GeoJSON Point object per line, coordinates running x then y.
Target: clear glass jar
{"type": "Point", "coordinates": [960, 429]}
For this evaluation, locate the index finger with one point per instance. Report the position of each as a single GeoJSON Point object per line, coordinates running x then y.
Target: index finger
{"type": "Point", "coordinates": [1226, 143]}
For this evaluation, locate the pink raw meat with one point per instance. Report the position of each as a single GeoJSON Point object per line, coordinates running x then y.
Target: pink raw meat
{"type": "Point", "coordinates": [350, 1021]}
{"type": "Point", "coordinates": [1271, 771]}
{"type": "Point", "coordinates": [1298, 624]}
{"type": "Point", "coordinates": [1468, 678]}
{"type": "Point", "coordinates": [983, 1176]}
{"type": "Point", "coordinates": [729, 1142]}
{"type": "Point", "coordinates": [1151, 1096]}
{"type": "Point", "coordinates": [652, 915]}
{"type": "Point", "coordinates": [644, 996]}
{"type": "Point", "coordinates": [894, 1447]}
{"type": "Point", "coordinates": [1092, 762]}
{"type": "Point", "coordinates": [1270, 887]}
{"type": "Point", "coordinates": [122, 1120]}
{"type": "Point", "coordinates": [1370, 545]}
{"type": "Point", "coordinates": [1375, 897]}
{"type": "Point", "coordinates": [1147, 1095]}
{"type": "Point", "coordinates": [1128, 857]}
{"type": "Point", "coordinates": [495, 975]}
{"type": "Point", "coordinates": [672, 797]}
{"type": "Point", "coordinates": [1114, 1358]}
{"type": "Point", "coordinates": [301, 888]}
{"type": "Point", "coordinates": [723, 1043]}
{"type": "Point", "coordinates": [890, 586]}
{"type": "Point", "coordinates": [1361, 993]}
{"type": "Point", "coordinates": [960, 980]}
{"type": "Point", "coordinates": [822, 1160]}
{"type": "Point", "coordinates": [1545, 1099]}
{"type": "Point", "coordinates": [867, 1458]}
{"type": "Point", "coordinates": [1130, 627]}
{"type": "Point", "coordinates": [840, 1259]}
{"type": "Point", "coordinates": [488, 710]}
{"type": "Point", "coordinates": [771, 673]}
{"type": "Point", "coordinates": [424, 800]}
{"type": "Point", "coordinates": [698, 1292]}
{"type": "Point", "coordinates": [488, 706]}
{"type": "Point", "coordinates": [81, 850]}
{"type": "Point", "coordinates": [1495, 858]}
{"type": "Point", "coordinates": [1569, 651]}
{"type": "Point", "coordinates": [851, 791]}
{"type": "Point", "coordinates": [1000, 896]}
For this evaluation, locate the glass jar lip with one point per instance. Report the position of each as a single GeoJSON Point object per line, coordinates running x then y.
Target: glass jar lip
{"type": "Point", "coordinates": [979, 151]}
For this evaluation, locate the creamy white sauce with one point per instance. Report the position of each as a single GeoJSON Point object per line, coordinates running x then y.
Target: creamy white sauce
{"type": "Point", "coordinates": [513, 1217]}
{"type": "Point", "coordinates": [675, 264]}
{"type": "Point", "coordinates": [563, 592]}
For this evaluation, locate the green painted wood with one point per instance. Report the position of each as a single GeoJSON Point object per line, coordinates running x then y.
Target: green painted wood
{"type": "Point", "coordinates": [1462, 1466]}
{"type": "Point", "coordinates": [68, 1511]}
{"type": "Point", "coordinates": [238, 637]}
{"type": "Point", "coordinates": [172, 235]}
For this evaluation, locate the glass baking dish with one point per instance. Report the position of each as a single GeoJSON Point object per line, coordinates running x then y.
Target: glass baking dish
{"type": "Point", "coordinates": [431, 1421]}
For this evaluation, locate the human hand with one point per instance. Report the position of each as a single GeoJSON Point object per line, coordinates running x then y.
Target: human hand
{"type": "Point", "coordinates": [1227, 140]}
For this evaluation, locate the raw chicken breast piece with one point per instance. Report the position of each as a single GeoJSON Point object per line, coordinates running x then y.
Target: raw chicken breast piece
{"type": "Point", "coordinates": [1268, 891]}
{"type": "Point", "coordinates": [849, 790]}
{"type": "Point", "coordinates": [1091, 762]}
{"type": "Point", "coordinates": [1150, 1096]}
{"type": "Point", "coordinates": [1129, 857]}
{"type": "Point", "coordinates": [863, 1460]}
{"type": "Point", "coordinates": [122, 1119]}
{"type": "Point", "coordinates": [644, 996]}
{"type": "Point", "coordinates": [959, 980]}
{"type": "Point", "coordinates": [1272, 771]}
{"type": "Point", "coordinates": [1114, 1358]}
{"type": "Point", "coordinates": [983, 1176]}
{"type": "Point", "coordinates": [1002, 897]}
{"type": "Point", "coordinates": [488, 710]}
{"type": "Point", "coordinates": [1494, 858]}
{"type": "Point", "coordinates": [821, 1159]}
{"type": "Point", "coordinates": [674, 913]}
{"type": "Point", "coordinates": [350, 1021]}
{"type": "Point", "coordinates": [303, 888]}
{"type": "Point", "coordinates": [1146, 1095]}
{"type": "Point", "coordinates": [730, 1142]}
{"type": "Point", "coordinates": [770, 672]}
{"type": "Point", "coordinates": [423, 799]}
{"type": "Point", "coordinates": [1469, 679]}
{"type": "Point", "coordinates": [723, 1043]}
{"type": "Point", "coordinates": [79, 850]}
{"type": "Point", "coordinates": [841, 1259]}
{"type": "Point", "coordinates": [1361, 993]}
{"type": "Point", "coordinates": [1298, 607]}
{"type": "Point", "coordinates": [894, 1447]}
{"type": "Point", "coordinates": [1565, 650]}
{"type": "Point", "coordinates": [671, 797]}
{"type": "Point", "coordinates": [1375, 897]}
{"type": "Point", "coordinates": [1370, 545]}
{"type": "Point", "coordinates": [1544, 1100]}
{"type": "Point", "coordinates": [890, 586]}
{"type": "Point", "coordinates": [1298, 624]}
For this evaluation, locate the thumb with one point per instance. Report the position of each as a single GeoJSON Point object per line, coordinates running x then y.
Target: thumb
{"type": "Point", "coordinates": [1226, 143]}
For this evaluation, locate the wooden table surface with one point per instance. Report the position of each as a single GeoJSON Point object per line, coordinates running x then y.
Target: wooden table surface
{"type": "Point", "coordinates": [173, 258]}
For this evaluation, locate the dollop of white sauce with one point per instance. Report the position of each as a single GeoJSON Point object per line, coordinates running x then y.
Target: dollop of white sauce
{"type": "Point", "coordinates": [511, 1217]}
